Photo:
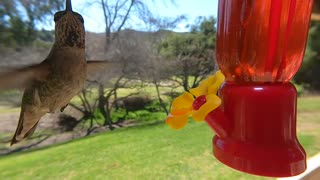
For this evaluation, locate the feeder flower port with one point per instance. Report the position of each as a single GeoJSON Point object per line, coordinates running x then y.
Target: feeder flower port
{"type": "Point", "coordinates": [197, 103]}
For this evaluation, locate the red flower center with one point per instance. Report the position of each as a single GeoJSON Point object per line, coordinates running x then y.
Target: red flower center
{"type": "Point", "coordinates": [199, 101]}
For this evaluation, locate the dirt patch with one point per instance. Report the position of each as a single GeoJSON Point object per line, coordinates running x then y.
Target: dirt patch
{"type": "Point", "coordinates": [9, 121]}
{"type": "Point", "coordinates": [48, 132]}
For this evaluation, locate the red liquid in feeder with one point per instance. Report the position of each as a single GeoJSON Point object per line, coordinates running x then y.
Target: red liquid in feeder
{"type": "Point", "coordinates": [262, 41]}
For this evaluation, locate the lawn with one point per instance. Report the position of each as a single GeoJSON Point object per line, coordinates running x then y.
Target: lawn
{"type": "Point", "coordinates": [152, 151]}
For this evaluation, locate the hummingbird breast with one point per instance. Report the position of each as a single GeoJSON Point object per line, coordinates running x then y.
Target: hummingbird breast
{"type": "Point", "coordinates": [67, 77]}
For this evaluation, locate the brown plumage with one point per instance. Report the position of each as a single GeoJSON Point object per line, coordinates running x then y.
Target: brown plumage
{"type": "Point", "coordinates": [50, 85]}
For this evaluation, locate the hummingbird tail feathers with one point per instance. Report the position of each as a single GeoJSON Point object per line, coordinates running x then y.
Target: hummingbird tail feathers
{"type": "Point", "coordinates": [21, 132]}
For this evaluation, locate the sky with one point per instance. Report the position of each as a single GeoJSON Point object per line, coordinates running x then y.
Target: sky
{"type": "Point", "coordinates": [94, 21]}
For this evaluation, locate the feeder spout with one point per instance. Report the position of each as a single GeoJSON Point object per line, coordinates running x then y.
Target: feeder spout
{"type": "Point", "coordinates": [218, 122]}
{"type": "Point", "coordinates": [215, 118]}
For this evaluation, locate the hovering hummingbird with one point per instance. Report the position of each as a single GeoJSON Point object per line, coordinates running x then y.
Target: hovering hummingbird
{"type": "Point", "coordinates": [50, 85]}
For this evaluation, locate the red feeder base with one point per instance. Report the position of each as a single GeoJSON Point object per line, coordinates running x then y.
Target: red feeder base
{"type": "Point", "coordinates": [258, 135]}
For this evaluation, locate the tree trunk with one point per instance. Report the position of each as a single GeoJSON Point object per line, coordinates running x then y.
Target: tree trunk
{"type": "Point", "coordinates": [116, 104]}
{"type": "Point", "coordinates": [107, 117]}
{"type": "Point", "coordinates": [101, 105]}
{"type": "Point", "coordinates": [163, 106]}
{"type": "Point", "coordinates": [185, 77]}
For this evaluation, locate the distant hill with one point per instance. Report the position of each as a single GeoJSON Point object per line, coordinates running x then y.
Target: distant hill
{"type": "Point", "coordinates": [95, 46]}
{"type": "Point", "coordinates": [95, 42]}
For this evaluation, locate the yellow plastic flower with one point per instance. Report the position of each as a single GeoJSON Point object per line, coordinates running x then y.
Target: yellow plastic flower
{"type": "Point", "coordinates": [205, 96]}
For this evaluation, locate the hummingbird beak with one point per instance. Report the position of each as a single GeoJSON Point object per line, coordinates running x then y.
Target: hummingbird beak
{"type": "Point", "coordinates": [68, 5]}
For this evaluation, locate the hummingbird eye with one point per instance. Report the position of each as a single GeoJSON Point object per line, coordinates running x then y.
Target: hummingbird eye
{"type": "Point", "coordinates": [58, 15]}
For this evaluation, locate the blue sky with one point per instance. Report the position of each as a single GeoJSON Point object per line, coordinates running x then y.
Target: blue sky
{"type": "Point", "coordinates": [191, 8]}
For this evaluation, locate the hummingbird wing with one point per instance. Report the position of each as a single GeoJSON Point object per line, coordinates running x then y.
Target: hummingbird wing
{"type": "Point", "coordinates": [97, 69]}
{"type": "Point", "coordinates": [95, 66]}
{"type": "Point", "coordinates": [23, 77]}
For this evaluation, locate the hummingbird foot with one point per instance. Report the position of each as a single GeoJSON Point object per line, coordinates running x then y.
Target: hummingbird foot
{"type": "Point", "coordinates": [63, 108]}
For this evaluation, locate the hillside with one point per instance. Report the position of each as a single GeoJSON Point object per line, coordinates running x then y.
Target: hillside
{"type": "Point", "coordinates": [95, 47]}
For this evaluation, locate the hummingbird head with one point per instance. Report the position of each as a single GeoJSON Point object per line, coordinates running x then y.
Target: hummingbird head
{"type": "Point", "coordinates": [69, 28]}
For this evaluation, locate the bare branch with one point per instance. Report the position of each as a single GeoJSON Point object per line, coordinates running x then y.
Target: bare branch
{"type": "Point", "coordinates": [76, 107]}
{"type": "Point", "coordinates": [124, 19]}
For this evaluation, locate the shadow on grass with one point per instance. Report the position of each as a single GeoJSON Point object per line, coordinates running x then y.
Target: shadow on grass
{"type": "Point", "coordinates": [31, 148]}
{"type": "Point", "coordinates": [42, 138]}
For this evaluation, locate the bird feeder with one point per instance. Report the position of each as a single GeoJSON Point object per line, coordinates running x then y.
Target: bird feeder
{"type": "Point", "coordinates": [260, 46]}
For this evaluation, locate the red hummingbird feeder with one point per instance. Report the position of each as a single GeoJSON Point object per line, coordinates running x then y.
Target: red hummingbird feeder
{"type": "Point", "coordinates": [260, 46]}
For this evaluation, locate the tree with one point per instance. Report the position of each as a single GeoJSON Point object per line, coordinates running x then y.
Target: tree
{"type": "Point", "coordinates": [158, 69]}
{"type": "Point", "coordinates": [38, 11]}
{"type": "Point", "coordinates": [16, 28]}
{"type": "Point", "coordinates": [308, 74]}
{"type": "Point", "coordinates": [192, 52]}
{"type": "Point", "coordinates": [116, 15]}
{"type": "Point", "coordinates": [7, 11]}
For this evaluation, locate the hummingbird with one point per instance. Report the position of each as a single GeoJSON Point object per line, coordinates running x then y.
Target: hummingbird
{"type": "Point", "coordinates": [50, 85]}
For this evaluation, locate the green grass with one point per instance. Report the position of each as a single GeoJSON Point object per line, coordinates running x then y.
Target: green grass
{"type": "Point", "coordinates": [137, 153]}
{"type": "Point", "coordinates": [8, 109]}
{"type": "Point", "coordinates": [309, 103]}
{"type": "Point", "coordinates": [151, 151]}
